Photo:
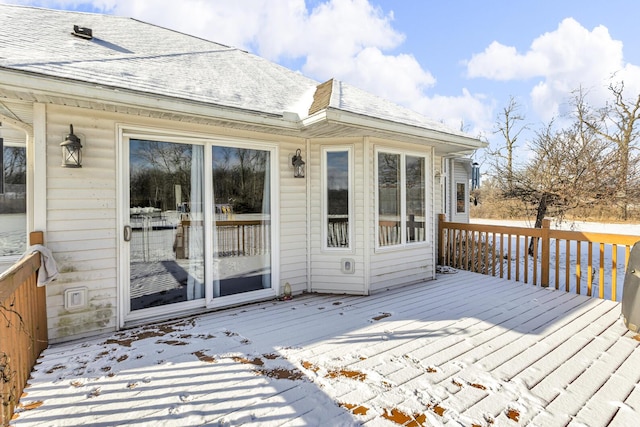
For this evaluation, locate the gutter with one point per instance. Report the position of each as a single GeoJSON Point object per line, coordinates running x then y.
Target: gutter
{"type": "Point", "coordinates": [464, 144]}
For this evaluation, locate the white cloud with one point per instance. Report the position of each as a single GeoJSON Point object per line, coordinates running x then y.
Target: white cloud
{"type": "Point", "coordinates": [472, 112]}
{"type": "Point", "coordinates": [564, 59]}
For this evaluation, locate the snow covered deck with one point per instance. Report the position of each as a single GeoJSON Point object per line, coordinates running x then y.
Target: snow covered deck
{"type": "Point", "coordinates": [465, 349]}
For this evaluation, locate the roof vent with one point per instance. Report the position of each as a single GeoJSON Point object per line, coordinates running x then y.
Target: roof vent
{"type": "Point", "coordinates": [83, 32]}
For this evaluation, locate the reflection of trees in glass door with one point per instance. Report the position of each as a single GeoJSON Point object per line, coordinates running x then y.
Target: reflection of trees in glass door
{"type": "Point", "coordinates": [166, 219]}
{"type": "Point", "coordinates": [242, 220]}
{"type": "Point", "coordinates": [13, 191]}
{"type": "Point", "coordinates": [172, 220]}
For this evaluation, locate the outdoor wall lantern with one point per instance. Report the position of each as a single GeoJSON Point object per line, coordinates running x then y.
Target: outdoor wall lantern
{"type": "Point", "coordinates": [298, 164]}
{"type": "Point", "coordinates": [71, 151]}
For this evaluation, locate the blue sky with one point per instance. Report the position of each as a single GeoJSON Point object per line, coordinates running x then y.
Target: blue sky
{"type": "Point", "coordinates": [455, 61]}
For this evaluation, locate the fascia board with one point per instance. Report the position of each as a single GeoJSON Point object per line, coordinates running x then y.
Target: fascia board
{"type": "Point", "coordinates": [21, 81]}
{"type": "Point", "coordinates": [462, 143]}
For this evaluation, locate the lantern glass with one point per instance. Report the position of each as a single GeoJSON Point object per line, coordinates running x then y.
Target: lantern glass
{"type": "Point", "coordinates": [71, 151]}
{"type": "Point", "coordinates": [298, 165]}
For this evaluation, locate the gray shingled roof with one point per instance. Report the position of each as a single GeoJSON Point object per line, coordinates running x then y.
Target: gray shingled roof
{"type": "Point", "coordinates": [130, 54]}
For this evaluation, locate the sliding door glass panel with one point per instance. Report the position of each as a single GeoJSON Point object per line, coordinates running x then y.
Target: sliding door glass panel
{"type": "Point", "coordinates": [242, 220]}
{"type": "Point", "coordinates": [165, 214]}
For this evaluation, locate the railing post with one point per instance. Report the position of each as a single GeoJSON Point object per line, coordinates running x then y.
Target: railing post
{"type": "Point", "coordinates": [441, 218]}
{"type": "Point", "coordinates": [546, 249]}
{"type": "Point", "coordinates": [41, 332]}
{"type": "Point", "coordinates": [36, 238]}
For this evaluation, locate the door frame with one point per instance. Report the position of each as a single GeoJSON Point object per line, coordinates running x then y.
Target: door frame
{"type": "Point", "coordinates": [124, 133]}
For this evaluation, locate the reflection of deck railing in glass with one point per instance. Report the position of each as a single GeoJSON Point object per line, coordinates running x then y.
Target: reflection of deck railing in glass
{"type": "Point", "coordinates": [338, 231]}
{"type": "Point", "coordinates": [242, 238]}
{"type": "Point", "coordinates": [389, 231]}
{"type": "Point", "coordinates": [234, 238]}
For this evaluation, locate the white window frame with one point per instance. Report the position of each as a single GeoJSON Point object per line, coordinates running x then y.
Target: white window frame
{"type": "Point", "coordinates": [325, 192]}
{"type": "Point", "coordinates": [126, 132]}
{"type": "Point", "coordinates": [465, 198]}
{"type": "Point", "coordinates": [403, 197]}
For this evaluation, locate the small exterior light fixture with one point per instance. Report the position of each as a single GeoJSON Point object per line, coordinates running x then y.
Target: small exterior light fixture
{"type": "Point", "coordinates": [298, 164]}
{"type": "Point", "coordinates": [71, 151]}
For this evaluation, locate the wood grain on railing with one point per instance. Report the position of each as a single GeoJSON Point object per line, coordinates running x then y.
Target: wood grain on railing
{"type": "Point", "coordinates": [23, 328]}
{"type": "Point", "coordinates": [481, 248]}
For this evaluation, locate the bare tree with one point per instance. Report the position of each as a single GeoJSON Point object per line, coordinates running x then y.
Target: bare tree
{"type": "Point", "coordinates": [569, 169]}
{"type": "Point", "coordinates": [510, 125]}
{"type": "Point", "coordinates": [619, 123]}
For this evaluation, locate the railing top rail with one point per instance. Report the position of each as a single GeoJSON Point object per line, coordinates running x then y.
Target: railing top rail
{"type": "Point", "coordinates": [11, 279]}
{"type": "Point", "coordinates": [500, 229]}
{"type": "Point", "coordinates": [586, 236]}
{"type": "Point", "coordinates": [580, 236]}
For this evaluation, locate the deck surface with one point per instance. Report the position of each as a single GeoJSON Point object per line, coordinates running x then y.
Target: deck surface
{"type": "Point", "coordinates": [464, 349]}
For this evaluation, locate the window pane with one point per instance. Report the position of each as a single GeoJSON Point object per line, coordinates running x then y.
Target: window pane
{"type": "Point", "coordinates": [460, 197]}
{"type": "Point", "coordinates": [242, 220]}
{"type": "Point", "coordinates": [415, 190]}
{"type": "Point", "coordinates": [389, 199]}
{"type": "Point", "coordinates": [337, 199]}
{"type": "Point", "coordinates": [13, 217]}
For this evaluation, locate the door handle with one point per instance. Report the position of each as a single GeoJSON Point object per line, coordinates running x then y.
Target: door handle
{"type": "Point", "coordinates": [127, 233]}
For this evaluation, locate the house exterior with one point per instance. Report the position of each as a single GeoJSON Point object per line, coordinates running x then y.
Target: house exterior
{"type": "Point", "coordinates": [209, 176]}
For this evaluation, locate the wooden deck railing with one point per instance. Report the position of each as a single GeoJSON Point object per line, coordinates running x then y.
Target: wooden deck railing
{"type": "Point", "coordinates": [23, 328]}
{"type": "Point", "coordinates": [574, 261]}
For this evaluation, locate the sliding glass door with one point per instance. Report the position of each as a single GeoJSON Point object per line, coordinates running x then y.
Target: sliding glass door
{"type": "Point", "coordinates": [198, 225]}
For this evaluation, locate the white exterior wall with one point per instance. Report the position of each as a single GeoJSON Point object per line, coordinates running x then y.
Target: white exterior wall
{"type": "Point", "coordinates": [81, 223]}
{"type": "Point", "coordinates": [82, 210]}
{"type": "Point", "coordinates": [326, 273]}
{"type": "Point", "coordinates": [394, 266]}
{"type": "Point", "coordinates": [83, 206]}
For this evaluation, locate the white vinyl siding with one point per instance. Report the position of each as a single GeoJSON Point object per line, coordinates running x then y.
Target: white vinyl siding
{"type": "Point", "coordinates": [401, 264]}
{"type": "Point", "coordinates": [81, 224]}
{"type": "Point", "coordinates": [84, 232]}
{"type": "Point", "coordinates": [326, 263]}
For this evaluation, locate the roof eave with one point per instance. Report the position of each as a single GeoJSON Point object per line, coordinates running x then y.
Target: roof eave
{"type": "Point", "coordinates": [444, 143]}
{"type": "Point", "coordinates": [21, 81]}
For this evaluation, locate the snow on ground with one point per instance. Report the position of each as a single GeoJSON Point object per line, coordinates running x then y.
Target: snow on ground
{"type": "Point", "coordinates": [465, 349]}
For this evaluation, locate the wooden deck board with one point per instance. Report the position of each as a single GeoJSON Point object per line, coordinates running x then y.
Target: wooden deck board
{"type": "Point", "coordinates": [464, 349]}
{"type": "Point", "coordinates": [620, 384]}
{"type": "Point", "coordinates": [579, 392]}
